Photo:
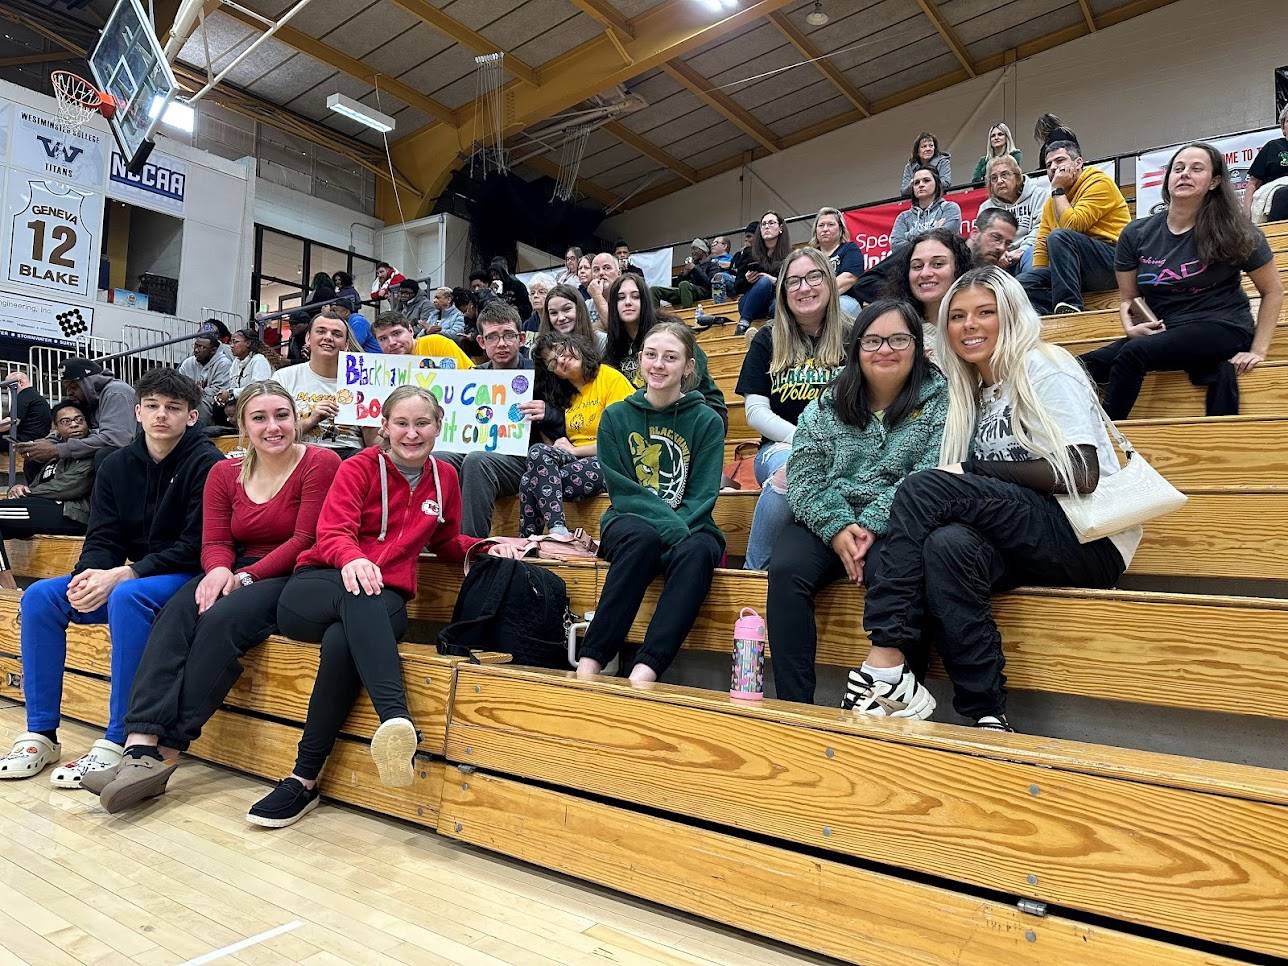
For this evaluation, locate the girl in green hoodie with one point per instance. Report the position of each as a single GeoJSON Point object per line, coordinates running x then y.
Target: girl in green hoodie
{"type": "Point", "coordinates": [661, 451]}
{"type": "Point", "coordinates": [882, 419]}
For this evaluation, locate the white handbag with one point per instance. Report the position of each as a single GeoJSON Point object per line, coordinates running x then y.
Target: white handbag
{"type": "Point", "coordinates": [1134, 495]}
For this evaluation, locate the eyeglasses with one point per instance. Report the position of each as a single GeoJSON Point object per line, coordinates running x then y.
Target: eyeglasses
{"type": "Point", "coordinates": [70, 420]}
{"type": "Point", "coordinates": [813, 279]}
{"type": "Point", "coordinates": [898, 342]}
{"type": "Point", "coordinates": [492, 338]}
{"type": "Point", "coordinates": [559, 355]}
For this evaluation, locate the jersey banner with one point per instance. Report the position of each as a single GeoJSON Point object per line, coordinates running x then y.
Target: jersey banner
{"type": "Point", "coordinates": [51, 236]}
{"type": "Point", "coordinates": [41, 146]}
{"type": "Point", "coordinates": [480, 406]}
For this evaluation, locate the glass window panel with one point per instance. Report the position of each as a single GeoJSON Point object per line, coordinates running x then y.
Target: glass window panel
{"type": "Point", "coordinates": [329, 260]}
{"type": "Point", "coordinates": [276, 296]}
{"type": "Point", "coordinates": [282, 257]}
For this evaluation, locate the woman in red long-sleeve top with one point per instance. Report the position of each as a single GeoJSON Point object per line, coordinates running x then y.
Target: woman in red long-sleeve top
{"type": "Point", "coordinates": [350, 592]}
{"type": "Point", "coordinates": [260, 514]}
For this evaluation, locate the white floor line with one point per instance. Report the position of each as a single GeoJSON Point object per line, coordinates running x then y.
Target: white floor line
{"type": "Point", "coordinates": [237, 947]}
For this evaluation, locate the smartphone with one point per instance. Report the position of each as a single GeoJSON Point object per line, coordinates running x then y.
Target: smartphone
{"type": "Point", "coordinates": [1138, 309]}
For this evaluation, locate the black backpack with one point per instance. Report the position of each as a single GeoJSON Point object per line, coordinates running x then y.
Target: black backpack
{"type": "Point", "coordinates": [510, 606]}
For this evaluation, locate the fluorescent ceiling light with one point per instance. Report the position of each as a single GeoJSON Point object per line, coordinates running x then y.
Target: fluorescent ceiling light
{"type": "Point", "coordinates": [360, 112]}
{"type": "Point", "coordinates": [178, 114]}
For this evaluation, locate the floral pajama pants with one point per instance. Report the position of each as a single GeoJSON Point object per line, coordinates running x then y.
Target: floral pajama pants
{"type": "Point", "coordinates": [553, 476]}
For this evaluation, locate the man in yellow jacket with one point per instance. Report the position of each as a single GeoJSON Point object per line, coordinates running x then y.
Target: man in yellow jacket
{"type": "Point", "coordinates": [1077, 235]}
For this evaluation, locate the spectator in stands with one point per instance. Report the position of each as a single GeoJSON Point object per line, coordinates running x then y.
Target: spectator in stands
{"type": "Point", "coordinates": [568, 276]}
{"type": "Point", "coordinates": [922, 274]}
{"type": "Point", "coordinates": [990, 243]}
{"type": "Point", "coordinates": [568, 315]}
{"type": "Point", "coordinates": [210, 369]}
{"type": "Point", "coordinates": [412, 302]}
{"type": "Point", "coordinates": [249, 365]}
{"type": "Point", "coordinates": [141, 546]}
{"type": "Point", "coordinates": [386, 275]}
{"type": "Point", "coordinates": [926, 154]}
{"type": "Point", "coordinates": [631, 317]}
{"type": "Point", "coordinates": [882, 419]}
{"type": "Point", "coordinates": [384, 507]}
{"type": "Point", "coordinates": [1047, 130]}
{"type": "Point", "coordinates": [539, 287]}
{"type": "Point", "coordinates": [585, 272]}
{"type": "Point", "coordinates": [260, 513]}
{"type": "Point", "coordinates": [930, 209]}
{"type": "Point", "coordinates": [720, 256]}
{"type": "Point", "coordinates": [297, 348]}
{"type": "Point", "coordinates": [622, 252]}
{"type": "Point", "coordinates": [313, 386]}
{"type": "Point", "coordinates": [739, 260]}
{"type": "Point", "coordinates": [512, 289]}
{"type": "Point", "coordinates": [786, 367]}
{"type": "Point", "coordinates": [1187, 262]}
{"type": "Point", "coordinates": [57, 501]}
{"type": "Point", "coordinates": [569, 376]}
{"type": "Point", "coordinates": [1081, 221]}
{"type": "Point", "coordinates": [467, 303]}
{"type": "Point", "coordinates": [1010, 190]}
{"type": "Point", "coordinates": [1023, 425]}
{"type": "Point", "coordinates": [486, 476]}
{"type": "Point", "coordinates": [692, 285]}
{"type": "Point", "coordinates": [31, 412]}
{"type": "Point", "coordinates": [345, 289]}
{"type": "Point", "coordinates": [1000, 145]}
{"type": "Point", "coordinates": [322, 290]}
{"type": "Point", "coordinates": [604, 271]}
{"type": "Point", "coordinates": [357, 324]}
{"type": "Point", "coordinates": [1270, 166]}
{"type": "Point", "coordinates": [661, 452]}
{"type": "Point", "coordinates": [394, 332]}
{"type": "Point", "coordinates": [444, 318]}
{"type": "Point", "coordinates": [757, 273]}
{"type": "Point", "coordinates": [831, 237]}
{"type": "Point", "coordinates": [220, 331]}
{"type": "Point", "coordinates": [110, 404]}
{"type": "Point", "coordinates": [480, 282]}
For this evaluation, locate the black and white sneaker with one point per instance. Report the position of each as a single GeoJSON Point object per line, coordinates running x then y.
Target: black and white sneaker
{"type": "Point", "coordinates": [1065, 308]}
{"type": "Point", "coordinates": [907, 699]}
{"type": "Point", "coordinates": [285, 805]}
{"type": "Point", "coordinates": [994, 722]}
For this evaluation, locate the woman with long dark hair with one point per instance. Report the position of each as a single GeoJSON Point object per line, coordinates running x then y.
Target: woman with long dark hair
{"type": "Point", "coordinates": [756, 269]}
{"type": "Point", "coordinates": [923, 272]}
{"type": "Point", "coordinates": [882, 419]}
{"type": "Point", "coordinates": [926, 154]}
{"type": "Point", "coordinates": [345, 289]}
{"type": "Point", "coordinates": [1187, 262]}
{"type": "Point", "coordinates": [930, 209]}
{"type": "Point", "coordinates": [566, 313]}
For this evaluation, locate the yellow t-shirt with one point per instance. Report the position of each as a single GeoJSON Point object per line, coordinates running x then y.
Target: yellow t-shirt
{"type": "Point", "coordinates": [441, 347]}
{"type": "Point", "coordinates": [581, 421]}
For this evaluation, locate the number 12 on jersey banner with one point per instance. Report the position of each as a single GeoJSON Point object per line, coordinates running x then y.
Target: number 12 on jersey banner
{"type": "Point", "coordinates": [51, 235]}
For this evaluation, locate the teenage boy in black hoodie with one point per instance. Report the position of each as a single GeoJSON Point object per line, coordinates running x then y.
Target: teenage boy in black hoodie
{"type": "Point", "coordinates": [145, 507]}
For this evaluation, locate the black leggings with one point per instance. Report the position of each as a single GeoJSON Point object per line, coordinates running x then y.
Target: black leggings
{"type": "Point", "coordinates": [359, 635]}
{"type": "Point", "coordinates": [637, 555]}
{"type": "Point", "coordinates": [801, 566]}
{"type": "Point", "coordinates": [30, 516]}
{"type": "Point", "coordinates": [192, 660]}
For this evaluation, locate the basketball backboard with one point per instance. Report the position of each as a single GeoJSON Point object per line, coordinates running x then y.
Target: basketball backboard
{"type": "Point", "coordinates": [128, 63]}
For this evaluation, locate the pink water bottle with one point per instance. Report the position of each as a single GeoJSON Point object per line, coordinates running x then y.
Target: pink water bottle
{"type": "Point", "coordinates": [749, 637]}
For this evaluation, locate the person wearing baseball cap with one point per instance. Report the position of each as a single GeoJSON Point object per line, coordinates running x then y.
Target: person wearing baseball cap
{"type": "Point", "coordinates": [691, 286]}
{"type": "Point", "coordinates": [107, 401]}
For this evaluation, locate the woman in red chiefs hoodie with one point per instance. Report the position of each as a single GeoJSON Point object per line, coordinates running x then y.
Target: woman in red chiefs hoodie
{"type": "Point", "coordinates": [350, 591]}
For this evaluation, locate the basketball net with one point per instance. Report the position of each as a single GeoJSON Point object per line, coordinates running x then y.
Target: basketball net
{"type": "Point", "coordinates": [79, 100]}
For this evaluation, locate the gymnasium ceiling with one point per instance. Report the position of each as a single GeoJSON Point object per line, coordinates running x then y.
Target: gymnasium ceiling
{"type": "Point", "coordinates": [716, 88]}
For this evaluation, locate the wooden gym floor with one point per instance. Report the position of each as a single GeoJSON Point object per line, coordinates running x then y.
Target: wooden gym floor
{"type": "Point", "coordinates": [184, 879]}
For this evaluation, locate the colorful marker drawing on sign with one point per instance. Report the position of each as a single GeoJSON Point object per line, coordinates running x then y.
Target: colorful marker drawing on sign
{"type": "Point", "coordinates": [480, 406]}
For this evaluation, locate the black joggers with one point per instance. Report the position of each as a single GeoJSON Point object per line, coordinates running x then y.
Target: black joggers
{"type": "Point", "coordinates": [635, 552]}
{"type": "Point", "coordinates": [30, 516]}
{"type": "Point", "coordinates": [359, 635]}
{"type": "Point", "coordinates": [192, 661]}
{"type": "Point", "coordinates": [954, 540]}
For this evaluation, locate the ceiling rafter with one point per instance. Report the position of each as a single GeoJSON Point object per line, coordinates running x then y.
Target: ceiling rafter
{"type": "Point", "coordinates": [1087, 15]}
{"type": "Point", "coordinates": [647, 148]}
{"type": "Point", "coordinates": [824, 66]}
{"type": "Point", "coordinates": [931, 10]}
{"type": "Point", "coordinates": [588, 188]}
{"type": "Point", "coordinates": [350, 65]}
{"type": "Point", "coordinates": [606, 15]}
{"type": "Point", "coordinates": [47, 57]}
{"type": "Point", "coordinates": [1027, 49]}
{"type": "Point", "coordinates": [451, 27]}
{"type": "Point", "coordinates": [739, 116]}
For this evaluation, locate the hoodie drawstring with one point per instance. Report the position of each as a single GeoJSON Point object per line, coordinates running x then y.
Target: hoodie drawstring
{"type": "Point", "coordinates": [384, 499]}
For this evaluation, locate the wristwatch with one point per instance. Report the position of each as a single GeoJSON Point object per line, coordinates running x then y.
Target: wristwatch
{"type": "Point", "coordinates": [244, 579]}
{"type": "Point", "coordinates": [1057, 192]}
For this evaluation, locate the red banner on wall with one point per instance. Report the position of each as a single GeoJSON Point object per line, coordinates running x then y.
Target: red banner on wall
{"type": "Point", "coordinates": [870, 227]}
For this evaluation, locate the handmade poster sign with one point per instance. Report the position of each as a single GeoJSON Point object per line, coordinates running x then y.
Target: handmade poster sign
{"type": "Point", "coordinates": [480, 406]}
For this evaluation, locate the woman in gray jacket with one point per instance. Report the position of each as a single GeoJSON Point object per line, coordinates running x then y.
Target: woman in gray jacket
{"type": "Point", "coordinates": [930, 209]}
{"type": "Point", "coordinates": [926, 153]}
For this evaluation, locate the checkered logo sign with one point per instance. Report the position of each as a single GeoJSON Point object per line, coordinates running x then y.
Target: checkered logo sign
{"type": "Point", "coordinates": [72, 323]}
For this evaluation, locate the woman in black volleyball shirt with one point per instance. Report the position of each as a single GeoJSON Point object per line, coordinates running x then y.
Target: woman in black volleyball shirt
{"type": "Point", "coordinates": [1187, 262]}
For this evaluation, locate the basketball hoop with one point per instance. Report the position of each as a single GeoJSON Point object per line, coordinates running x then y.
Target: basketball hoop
{"type": "Point", "coordinates": [79, 100]}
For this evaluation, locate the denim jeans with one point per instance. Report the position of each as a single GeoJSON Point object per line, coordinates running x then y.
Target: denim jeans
{"type": "Point", "coordinates": [758, 301]}
{"type": "Point", "coordinates": [850, 306]}
{"type": "Point", "coordinates": [1076, 263]}
{"type": "Point", "coordinates": [773, 512]}
{"type": "Point", "coordinates": [128, 613]}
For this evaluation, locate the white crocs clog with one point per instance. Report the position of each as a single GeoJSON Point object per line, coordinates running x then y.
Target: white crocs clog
{"type": "Point", "coordinates": [30, 755]}
{"type": "Point", "coordinates": [102, 754]}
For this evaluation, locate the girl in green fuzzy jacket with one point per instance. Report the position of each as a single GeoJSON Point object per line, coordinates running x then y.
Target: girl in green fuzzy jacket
{"type": "Point", "coordinates": [882, 419]}
{"type": "Point", "coordinates": [661, 451]}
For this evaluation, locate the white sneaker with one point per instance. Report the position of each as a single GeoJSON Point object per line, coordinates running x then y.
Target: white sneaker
{"type": "Point", "coordinates": [393, 747]}
{"type": "Point", "coordinates": [907, 699]}
{"type": "Point", "coordinates": [102, 754]}
{"type": "Point", "coordinates": [30, 755]}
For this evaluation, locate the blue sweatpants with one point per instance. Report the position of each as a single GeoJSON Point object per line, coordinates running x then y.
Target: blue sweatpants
{"type": "Point", "coordinates": [128, 614]}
